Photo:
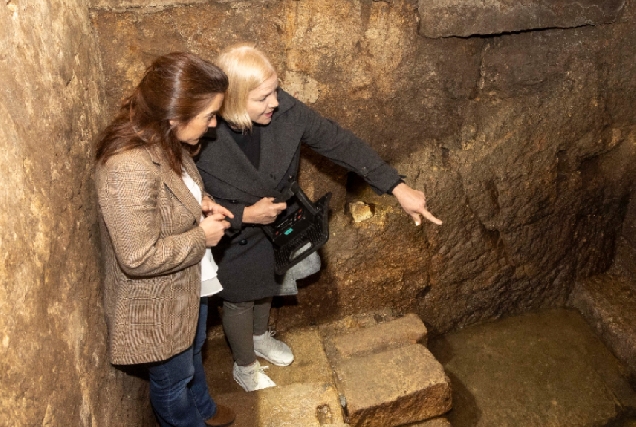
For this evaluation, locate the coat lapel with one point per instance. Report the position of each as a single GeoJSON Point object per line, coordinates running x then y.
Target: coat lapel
{"type": "Point", "coordinates": [225, 160]}
{"type": "Point", "coordinates": [278, 146]}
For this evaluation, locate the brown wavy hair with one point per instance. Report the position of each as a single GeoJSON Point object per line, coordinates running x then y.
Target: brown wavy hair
{"type": "Point", "coordinates": [175, 87]}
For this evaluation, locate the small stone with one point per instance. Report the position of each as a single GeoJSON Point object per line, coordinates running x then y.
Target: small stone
{"type": "Point", "coordinates": [360, 211]}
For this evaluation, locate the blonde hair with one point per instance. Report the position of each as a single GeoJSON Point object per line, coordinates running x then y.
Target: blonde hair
{"type": "Point", "coordinates": [247, 68]}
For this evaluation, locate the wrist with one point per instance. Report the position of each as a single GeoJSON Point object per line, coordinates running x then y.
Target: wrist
{"type": "Point", "coordinates": [393, 187]}
{"type": "Point", "coordinates": [398, 188]}
{"type": "Point", "coordinates": [247, 218]}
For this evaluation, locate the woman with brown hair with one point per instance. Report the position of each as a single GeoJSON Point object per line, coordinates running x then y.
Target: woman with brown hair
{"type": "Point", "coordinates": [151, 204]}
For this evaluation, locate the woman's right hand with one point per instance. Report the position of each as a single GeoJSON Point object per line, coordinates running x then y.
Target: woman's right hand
{"type": "Point", "coordinates": [264, 211]}
{"type": "Point", "coordinates": [214, 227]}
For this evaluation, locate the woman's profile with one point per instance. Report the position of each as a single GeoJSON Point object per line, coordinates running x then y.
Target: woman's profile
{"type": "Point", "coordinates": [154, 236]}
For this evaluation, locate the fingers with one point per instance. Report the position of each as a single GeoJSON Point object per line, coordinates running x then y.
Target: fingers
{"type": "Point", "coordinates": [416, 218]}
{"type": "Point", "coordinates": [207, 205]}
{"type": "Point", "coordinates": [214, 227]}
{"type": "Point", "coordinates": [212, 208]}
{"type": "Point", "coordinates": [219, 218]}
{"type": "Point", "coordinates": [278, 206]}
{"type": "Point", "coordinates": [222, 210]}
{"type": "Point", "coordinates": [429, 216]}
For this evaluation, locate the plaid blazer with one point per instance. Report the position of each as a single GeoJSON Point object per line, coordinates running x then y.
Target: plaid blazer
{"type": "Point", "coordinates": [151, 250]}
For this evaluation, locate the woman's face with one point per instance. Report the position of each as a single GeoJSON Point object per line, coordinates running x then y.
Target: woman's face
{"type": "Point", "coordinates": [190, 132]}
{"type": "Point", "coordinates": [262, 101]}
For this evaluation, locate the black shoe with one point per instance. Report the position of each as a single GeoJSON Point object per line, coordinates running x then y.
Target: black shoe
{"type": "Point", "coordinates": [224, 417]}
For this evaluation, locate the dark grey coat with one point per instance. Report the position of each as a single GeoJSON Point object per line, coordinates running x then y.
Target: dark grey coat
{"type": "Point", "coordinates": [246, 259]}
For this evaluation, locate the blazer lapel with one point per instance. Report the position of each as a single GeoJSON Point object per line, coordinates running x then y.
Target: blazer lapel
{"type": "Point", "coordinates": [175, 183]}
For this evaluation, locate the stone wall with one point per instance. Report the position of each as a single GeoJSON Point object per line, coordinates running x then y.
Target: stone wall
{"type": "Point", "coordinates": [520, 129]}
{"type": "Point", "coordinates": [53, 366]}
{"type": "Point", "coordinates": [625, 259]}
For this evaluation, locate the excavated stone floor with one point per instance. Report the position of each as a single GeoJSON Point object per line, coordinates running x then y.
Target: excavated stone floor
{"type": "Point", "coordinates": [371, 370]}
{"type": "Point", "coordinates": [545, 369]}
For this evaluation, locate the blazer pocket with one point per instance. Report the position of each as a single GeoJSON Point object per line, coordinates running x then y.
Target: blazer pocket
{"type": "Point", "coordinates": [147, 303]}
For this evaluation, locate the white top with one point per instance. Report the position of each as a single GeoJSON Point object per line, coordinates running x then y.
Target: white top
{"type": "Point", "coordinates": [210, 285]}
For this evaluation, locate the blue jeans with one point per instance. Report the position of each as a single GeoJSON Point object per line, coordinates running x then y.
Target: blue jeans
{"type": "Point", "coordinates": [178, 390]}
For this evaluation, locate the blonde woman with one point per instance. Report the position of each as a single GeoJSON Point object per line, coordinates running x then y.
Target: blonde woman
{"type": "Point", "coordinates": [255, 153]}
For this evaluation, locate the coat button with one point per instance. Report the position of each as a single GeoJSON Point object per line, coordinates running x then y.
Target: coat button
{"type": "Point", "coordinates": [243, 242]}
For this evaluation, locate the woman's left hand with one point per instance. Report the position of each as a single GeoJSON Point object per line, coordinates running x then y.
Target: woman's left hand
{"type": "Point", "coordinates": [414, 203]}
{"type": "Point", "coordinates": [209, 207]}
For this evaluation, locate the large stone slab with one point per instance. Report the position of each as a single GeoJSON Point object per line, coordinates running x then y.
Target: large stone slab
{"type": "Point", "coordinates": [464, 18]}
{"type": "Point", "coordinates": [405, 330]}
{"type": "Point", "coordinates": [608, 303]}
{"type": "Point", "coordinates": [536, 370]}
{"type": "Point", "coordinates": [393, 387]}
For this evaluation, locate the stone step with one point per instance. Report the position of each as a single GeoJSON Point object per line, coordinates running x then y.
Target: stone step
{"type": "Point", "coordinates": [410, 385]}
{"type": "Point", "coordinates": [405, 330]}
{"type": "Point", "coordinates": [387, 378]}
{"type": "Point", "coordinates": [608, 303]}
{"type": "Point", "coordinates": [393, 387]}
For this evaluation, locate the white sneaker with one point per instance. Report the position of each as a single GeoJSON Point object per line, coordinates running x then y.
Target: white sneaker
{"type": "Point", "coordinates": [252, 377]}
{"type": "Point", "coordinates": [272, 350]}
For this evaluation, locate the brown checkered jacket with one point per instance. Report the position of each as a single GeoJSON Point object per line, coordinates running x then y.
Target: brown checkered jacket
{"type": "Point", "coordinates": [151, 249]}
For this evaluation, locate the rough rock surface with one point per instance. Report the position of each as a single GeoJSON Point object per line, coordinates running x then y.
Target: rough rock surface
{"type": "Point", "coordinates": [53, 365]}
{"type": "Point", "coordinates": [608, 303]}
{"type": "Point", "coordinates": [293, 405]}
{"type": "Point", "coordinates": [435, 422]}
{"type": "Point", "coordinates": [524, 144]}
{"type": "Point", "coordinates": [625, 259]}
{"type": "Point", "coordinates": [464, 18]}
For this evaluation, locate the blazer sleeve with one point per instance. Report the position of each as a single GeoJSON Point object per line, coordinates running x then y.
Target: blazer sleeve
{"type": "Point", "coordinates": [344, 148]}
{"type": "Point", "coordinates": [128, 195]}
